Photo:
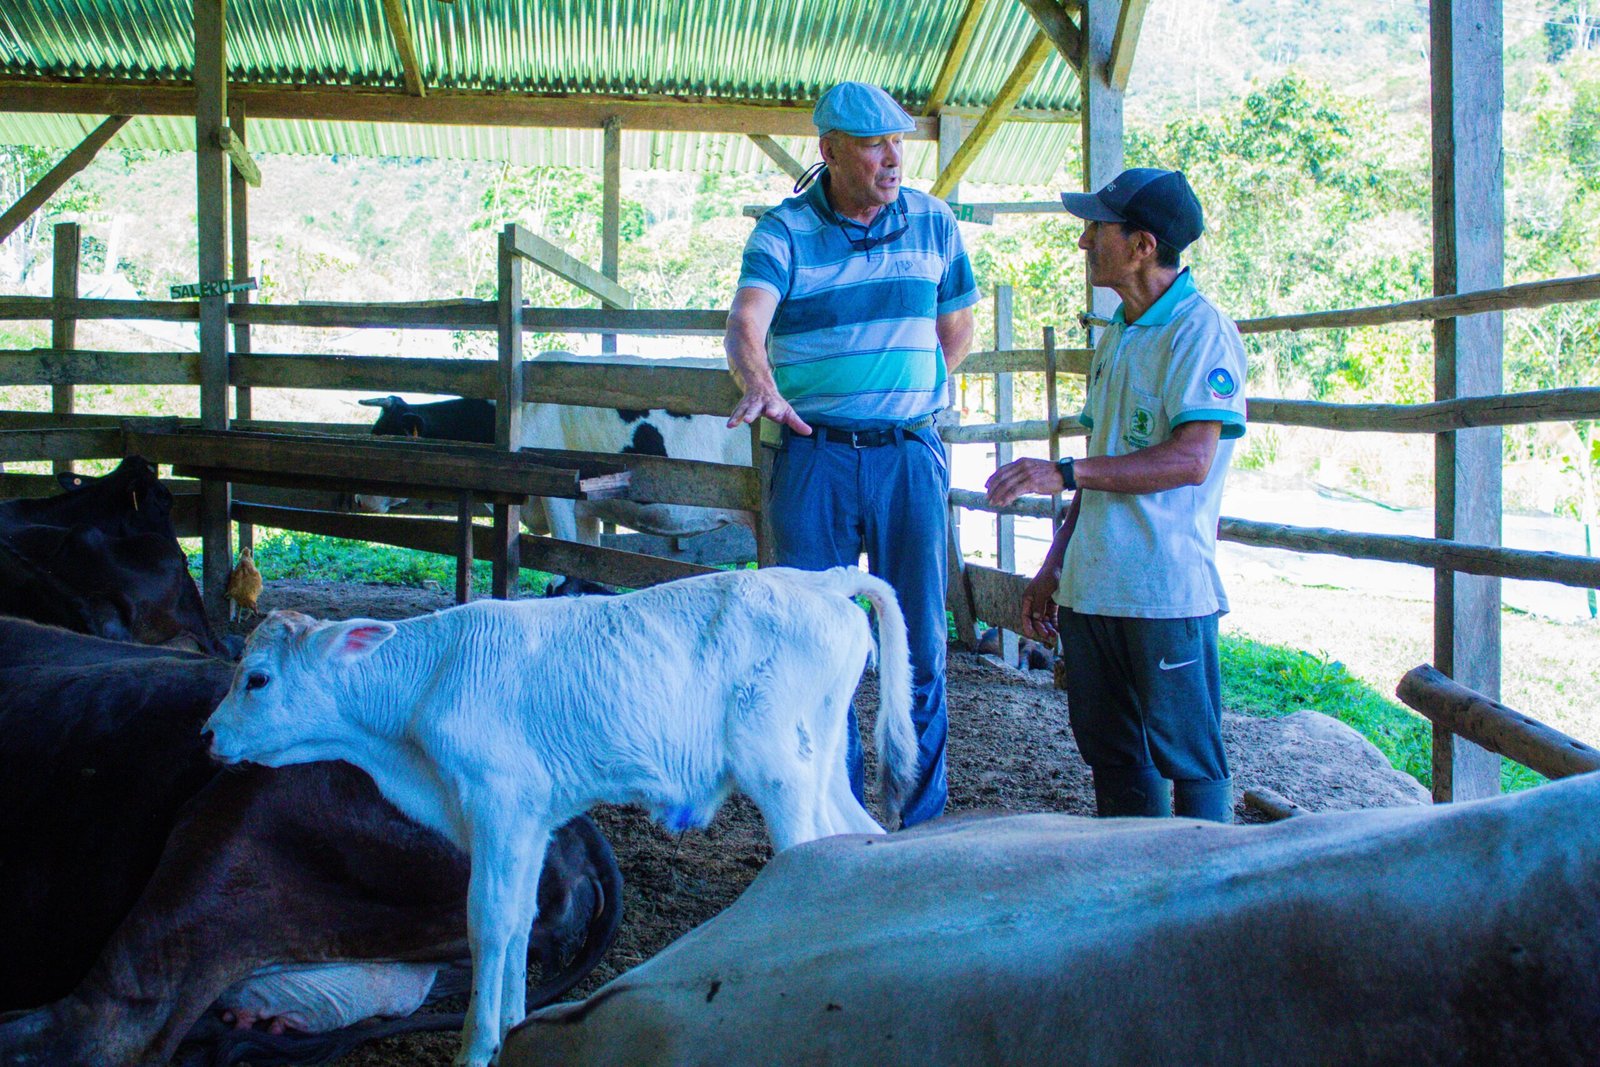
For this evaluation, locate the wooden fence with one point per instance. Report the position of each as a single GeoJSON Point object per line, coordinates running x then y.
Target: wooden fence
{"type": "Point", "coordinates": [687, 387]}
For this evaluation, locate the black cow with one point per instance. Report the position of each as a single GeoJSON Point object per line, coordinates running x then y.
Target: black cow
{"type": "Point", "coordinates": [102, 558]}
{"type": "Point", "coordinates": [442, 420]}
{"type": "Point", "coordinates": [138, 880]}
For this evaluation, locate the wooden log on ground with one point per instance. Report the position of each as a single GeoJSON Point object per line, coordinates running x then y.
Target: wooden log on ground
{"type": "Point", "coordinates": [1490, 724]}
{"type": "Point", "coordinates": [1273, 805]}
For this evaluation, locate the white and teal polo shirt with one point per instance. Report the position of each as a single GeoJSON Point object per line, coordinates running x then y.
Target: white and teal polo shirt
{"type": "Point", "coordinates": [1153, 555]}
{"type": "Point", "coordinates": [853, 343]}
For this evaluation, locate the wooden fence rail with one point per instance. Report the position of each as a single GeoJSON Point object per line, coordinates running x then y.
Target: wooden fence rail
{"type": "Point", "coordinates": [1509, 298]}
{"type": "Point", "coordinates": [1491, 725]}
{"type": "Point", "coordinates": [1581, 572]}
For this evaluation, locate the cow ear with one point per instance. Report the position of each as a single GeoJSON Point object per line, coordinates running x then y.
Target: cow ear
{"type": "Point", "coordinates": [351, 640]}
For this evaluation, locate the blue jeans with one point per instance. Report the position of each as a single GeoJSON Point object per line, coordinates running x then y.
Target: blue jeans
{"type": "Point", "coordinates": [831, 499]}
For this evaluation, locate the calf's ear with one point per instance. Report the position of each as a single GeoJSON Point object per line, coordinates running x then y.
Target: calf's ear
{"type": "Point", "coordinates": [351, 640]}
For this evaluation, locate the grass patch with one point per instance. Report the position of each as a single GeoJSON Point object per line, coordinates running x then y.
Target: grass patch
{"type": "Point", "coordinates": [1269, 681]}
{"type": "Point", "coordinates": [285, 554]}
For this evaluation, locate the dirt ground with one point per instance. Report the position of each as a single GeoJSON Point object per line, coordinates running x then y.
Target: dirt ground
{"type": "Point", "coordinates": [1010, 749]}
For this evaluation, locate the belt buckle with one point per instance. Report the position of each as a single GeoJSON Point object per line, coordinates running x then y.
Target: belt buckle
{"type": "Point", "coordinates": [855, 439]}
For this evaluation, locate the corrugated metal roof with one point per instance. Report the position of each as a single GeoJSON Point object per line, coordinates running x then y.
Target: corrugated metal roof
{"type": "Point", "coordinates": [751, 50]}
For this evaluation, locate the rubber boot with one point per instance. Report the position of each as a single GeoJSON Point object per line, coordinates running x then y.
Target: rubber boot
{"type": "Point", "coordinates": [1212, 801]}
{"type": "Point", "coordinates": [1130, 791]}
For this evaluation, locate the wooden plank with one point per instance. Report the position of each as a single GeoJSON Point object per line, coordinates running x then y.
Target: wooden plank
{"type": "Point", "coordinates": [380, 374]}
{"type": "Point", "coordinates": [536, 249]}
{"type": "Point", "coordinates": [1456, 709]}
{"type": "Point", "coordinates": [1441, 416]}
{"type": "Point", "coordinates": [1056, 24]}
{"type": "Point", "coordinates": [28, 445]}
{"type": "Point", "coordinates": [59, 175]}
{"type": "Point", "coordinates": [295, 489]}
{"type": "Point", "coordinates": [238, 156]}
{"type": "Point", "coordinates": [1467, 66]}
{"type": "Point", "coordinates": [731, 544]}
{"type": "Point", "coordinates": [1026, 360]}
{"type": "Point", "coordinates": [660, 479]}
{"type": "Point", "coordinates": [1052, 415]}
{"type": "Point", "coordinates": [1126, 42]}
{"type": "Point", "coordinates": [410, 68]}
{"type": "Point", "coordinates": [458, 107]}
{"type": "Point", "coordinates": [64, 328]}
{"type": "Point", "coordinates": [775, 152]}
{"type": "Point", "coordinates": [595, 384]}
{"type": "Point", "coordinates": [997, 596]}
{"type": "Point", "coordinates": [464, 532]}
{"type": "Point", "coordinates": [504, 552]}
{"type": "Point", "coordinates": [1016, 83]}
{"type": "Point", "coordinates": [952, 132]}
{"type": "Point", "coordinates": [611, 214]}
{"type": "Point", "coordinates": [1027, 430]}
{"type": "Point", "coordinates": [1580, 289]}
{"type": "Point", "coordinates": [358, 462]}
{"type": "Point", "coordinates": [959, 43]}
{"type": "Point", "coordinates": [608, 565]}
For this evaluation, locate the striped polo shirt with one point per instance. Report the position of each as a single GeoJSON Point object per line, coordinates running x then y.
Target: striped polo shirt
{"type": "Point", "coordinates": [853, 341]}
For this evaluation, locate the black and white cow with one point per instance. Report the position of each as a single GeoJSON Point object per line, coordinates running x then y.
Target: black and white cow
{"type": "Point", "coordinates": [618, 431]}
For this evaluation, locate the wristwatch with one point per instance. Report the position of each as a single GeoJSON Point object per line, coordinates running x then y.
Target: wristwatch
{"type": "Point", "coordinates": [1068, 481]}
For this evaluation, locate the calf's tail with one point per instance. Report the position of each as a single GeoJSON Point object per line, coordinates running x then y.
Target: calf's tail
{"type": "Point", "coordinates": [895, 734]}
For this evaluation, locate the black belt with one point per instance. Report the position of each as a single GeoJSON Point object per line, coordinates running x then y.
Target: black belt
{"type": "Point", "coordinates": [873, 438]}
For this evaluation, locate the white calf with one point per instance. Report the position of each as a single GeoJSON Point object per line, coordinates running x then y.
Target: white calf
{"type": "Point", "coordinates": [497, 721]}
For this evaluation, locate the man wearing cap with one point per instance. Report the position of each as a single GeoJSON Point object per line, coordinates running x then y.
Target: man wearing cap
{"type": "Point", "coordinates": [1131, 576]}
{"type": "Point", "coordinates": [854, 304]}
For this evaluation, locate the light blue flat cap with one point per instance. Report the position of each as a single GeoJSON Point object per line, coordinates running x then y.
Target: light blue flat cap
{"type": "Point", "coordinates": [861, 110]}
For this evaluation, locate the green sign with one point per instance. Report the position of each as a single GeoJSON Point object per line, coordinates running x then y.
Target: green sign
{"type": "Point", "coordinates": [222, 288]}
{"type": "Point", "coordinates": [983, 216]}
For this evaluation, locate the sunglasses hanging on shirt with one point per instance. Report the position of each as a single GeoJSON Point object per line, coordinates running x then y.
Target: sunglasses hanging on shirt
{"type": "Point", "coordinates": [866, 242]}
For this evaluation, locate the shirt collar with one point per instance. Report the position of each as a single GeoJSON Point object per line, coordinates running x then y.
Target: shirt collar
{"type": "Point", "coordinates": [817, 197]}
{"type": "Point", "coordinates": [1160, 313]}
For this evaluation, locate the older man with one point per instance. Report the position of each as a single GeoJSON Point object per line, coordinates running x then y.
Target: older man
{"type": "Point", "coordinates": [1133, 567]}
{"type": "Point", "coordinates": [854, 305]}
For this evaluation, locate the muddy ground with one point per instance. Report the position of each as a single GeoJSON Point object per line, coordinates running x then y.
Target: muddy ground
{"type": "Point", "coordinates": [1010, 749]}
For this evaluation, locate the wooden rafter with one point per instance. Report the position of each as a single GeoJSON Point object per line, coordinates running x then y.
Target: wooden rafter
{"type": "Point", "coordinates": [411, 69]}
{"type": "Point", "coordinates": [1016, 83]}
{"type": "Point", "coordinates": [1126, 42]}
{"type": "Point", "coordinates": [75, 160]}
{"type": "Point", "coordinates": [775, 152]}
{"type": "Point", "coordinates": [1059, 27]}
{"type": "Point", "coordinates": [239, 156]}
{"type": "Point", "coordinates": [441, 107]}
{"type": "Point", "coordinates": [536, 249]}
{"type": "Point", "coordinates": [952, 59]}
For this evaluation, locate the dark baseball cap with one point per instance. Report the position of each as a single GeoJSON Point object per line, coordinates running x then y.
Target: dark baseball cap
{"type": "Point", "coordinates": [1158, 201]}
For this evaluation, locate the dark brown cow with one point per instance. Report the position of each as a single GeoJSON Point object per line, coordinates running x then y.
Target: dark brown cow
{"type": "Point", "coordinates": [138, 881]}
{"type": "Point", "coordinates": [102, 558]}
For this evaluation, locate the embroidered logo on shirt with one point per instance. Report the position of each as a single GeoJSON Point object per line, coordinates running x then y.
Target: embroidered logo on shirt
{"type": "Point", "coordinates": [1221, 383]}
{"type": "Point", "coordinates": [1141, 425]}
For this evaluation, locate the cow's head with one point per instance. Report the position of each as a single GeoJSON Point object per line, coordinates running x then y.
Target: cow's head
{"type": "Point", "coordinates": [292, 692]}
{"type": "Point", "coordinates": [397, 420]}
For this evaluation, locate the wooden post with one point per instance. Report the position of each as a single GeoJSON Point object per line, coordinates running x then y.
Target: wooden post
{"type": "Point", "coordinates": [63, 326]}
{"type": "Point", "coordinates": [508, 411]}
{"type": "Point", "coordinates": [1468, 253]}
{"type": "Point", "coordinates": [464, 548]}
{"type": "Point", "coordinates": [766, 544]}
{"type": "Point", "coordinates": [611, 220]}
{"type": "Point", "coordinates": [951, 131]}
{"type": "Point", "coordinates": [1101, 106]}
{"type": "Point", "coordinates": [239, 239]}
{"type": "Point", "coordinates": [211, 97]}
{"type": "Point", "coordinates": [1005, 526]}
{"type": "Point", "coordinates": [1052, 416]}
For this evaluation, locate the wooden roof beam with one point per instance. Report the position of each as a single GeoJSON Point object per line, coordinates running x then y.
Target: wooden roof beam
{"type": "Point", "coordinates": [775, 152]}
{"type": "Point", "coordinates": [952, 59]}
{"type": "Point", "coordinates": [410, 68]}
{"type": "Point", "coordinates": [1053, 19]}
{"type": "Point", "coordinates": [537, 250]}
{"type": "Point", "coordinates": [1126, 42]}
{"type": "Point", "coordinates": [58, 175]}
{"type": "Point", "coordinates": [440, 107]}
{"type": "Point", "coordinates": [1016, 83]}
